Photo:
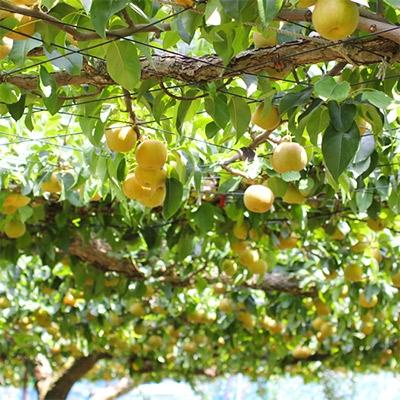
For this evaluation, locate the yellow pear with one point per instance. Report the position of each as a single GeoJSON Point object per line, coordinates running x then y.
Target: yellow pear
{"type": "Point", "coordinates": [25, 2]}
{"type": "Point", "coordinates": [246, 319]}
{"type": "Point", "coordinates": [155, 341]}
{"type": "Point", "coordinates": [338, 234]}
{"type": "Point", "coordinates": [249, 257]}
{"type": "Point", "coordinates": [240, 230]}
{"type": "Point", "coordinates": [293, 196]}
{"type": "Point", "coordinates": [229, 267]}
{"type": "Point", "coordinates": [396, 279]}
{"type": "Point", "coordinates": [269, 120]}
{"type": "Point", "coordinates": [365, 303]}
{"type": "Point", "coordinates": [5, 47]}
{"type": "Point", "coordinates": [13, 201]}
{"type": "Point", "coordinates": [289, 242]}
{"type": "Point", "coordinates": [133, 190]}
{"type": "Point", "coordinates": [259, 267]}
{"type": "Point", "coordinates": [24, 29]}
{"type": "Point", "coordinates": [156, 199]}
{"type": "Point", "coordinates": [219, 288]}
{"type": "Point", "coordinates": [376, 224]}
{"type": "Point", "coordinates": [14, 229]}
{"type": "Point", "coordinates": [121, 139]}
{"type": "Point", "coordinates": [136, 309]}
{"type": "Point", "coordinates": [367, 328]}
{"type": "Point", "coordinates": [317, 323]}
{"type": "Point", "coordinates": [52, 185]}
{"type": "Point", "coordinates": [190, 347]}
{"type": "Point", "coordinates": [359, 247]}
{"type": "Point", "coordinates": [322, 308]}
{"type": "Point", "coordinates": [268, 39]}
{"type": "Point", "coordinates": [184, 3]}
{"type": "Point", "coordinates": [239, 246]}
{"type": "Point", "coordinates": [302, 352]}
{"type": "Point", "coordinates": [271, 325]}
{"type": "Point", "coordinates": [258, 198]}
{"type": "Point", "coordinates": [226, 306]}
{"type": "Point", "coordinates": [376, 253]}
{"type": "Point", "coordinates": [306, 3]}
{"type": "Point", "coordinates": [150, 177]}
{"type": "Point", "coordinates": [353, 273]}
{"type": "Point", "coordinates": [151, 154]}
{"type": "Point", "coordinates": [335, 19]}
{"type": "Point", "coordinates": [288, 156]}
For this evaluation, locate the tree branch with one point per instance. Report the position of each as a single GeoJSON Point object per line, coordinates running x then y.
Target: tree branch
{"type": "Point", "coordinates": [74, 32]}
{"type": "Point", "coordinates": [97, 252]}
{"type": "Point", "coordinates": [59, 388]}
{"type": "Point", "coordinates": [210, 68]}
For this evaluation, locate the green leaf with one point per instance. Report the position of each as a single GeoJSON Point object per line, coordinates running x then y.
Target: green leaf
{"type": "Point", "coordinates": [377, 98]}
{"type": "Point", "coordinates": [186, 24]}
{"type": "Point", "coordinates": [17, 109]}
{"type": "Point", "coordinates": [339, 149]}
{"type": "Point", "coordinates": [49, 88]}
{"type": "Point", "coordinates": [364, 199]}
{"type": "Point", "coordinates": [9, 93]}
{"type": "Point", "coordinates": [123, 64]}
{"type": "Point", "coordinates": [173, 199]}
{"type": "Point", "coordinates": [292, 100]}
{"type": "Point", "coordinates": [268, 9]}
{"type": "Point", "coordinates": [329, 89]}
{"type": "Point", "coordinates": [233, 7]}
{"type": "Point", "coordinates": [218, 109]}
{"type": "Point", "coordinates": [240, 114]}
{"type": "Point", "coordinates": [342, 115]}
{"type": "Point", "coordinates": [204, 217]}
{"type": "Point", "coordinates": [102, 10]}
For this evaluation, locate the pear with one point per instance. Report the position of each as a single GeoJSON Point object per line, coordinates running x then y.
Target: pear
{"type": "Point", "coordinates": [335, 19]}
{"type": "Point", "coordinates": [258, 198]}
{"type": "Point", "coordinates": [288, 156]}
{"type": "Point", "coordinates": [266, 120]}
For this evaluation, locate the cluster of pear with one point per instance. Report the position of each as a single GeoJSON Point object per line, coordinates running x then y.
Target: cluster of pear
{"type": "Point", "coordinates": [13, 227]}
{"type": "Point", "coordinates": [147, 183]}
{"type": "Point", "coordinates": [286, 157]}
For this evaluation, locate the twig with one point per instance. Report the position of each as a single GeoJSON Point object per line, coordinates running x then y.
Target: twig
{"type": "Point", "coordinates": [130, 111]}
{"type": "Point", "coordinates": [174, 96]}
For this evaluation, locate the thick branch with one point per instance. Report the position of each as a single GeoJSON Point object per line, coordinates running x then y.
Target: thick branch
{"type": "Point", "coordinates": [125, 385]}
{"type": "Point", "coordinates": [211, 68]}
{"type": "Point", "coordinates": [75, 33]}
{"type": "Point", "coordinates": [60, 388]}
{"type": "Point", "coordinates": [97, 254]}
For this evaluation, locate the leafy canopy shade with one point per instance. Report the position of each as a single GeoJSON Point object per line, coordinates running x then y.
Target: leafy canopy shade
{"type": "Point", "coordinates": [196, 188]}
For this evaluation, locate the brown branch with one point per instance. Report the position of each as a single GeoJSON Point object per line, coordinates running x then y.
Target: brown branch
{"type": "Point", "coordinates": [211, 68]}
{"type": "Point", "coordinates": [97, 252]}
{"type": "Point", "coordinates": [131, 112]}
{"type": "Point", "coordinates": [59, 389]}
{"type": "Point", "coordinates": [75, 33]}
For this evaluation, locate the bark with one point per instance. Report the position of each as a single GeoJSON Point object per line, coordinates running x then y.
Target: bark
{"type": "Point", "coordinates": [97, 252]}
{"type": "Point", "coordinates": [56, 386]}
{"type": "Point", "coordinates": [124, 386]}
{"type": "Point", "coordinates": [59, 388]}
{"type": "Point", "coordinates": [210, 68]}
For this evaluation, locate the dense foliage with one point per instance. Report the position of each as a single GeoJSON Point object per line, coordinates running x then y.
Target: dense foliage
{"type": "Point", "coordinates": [182, 289]}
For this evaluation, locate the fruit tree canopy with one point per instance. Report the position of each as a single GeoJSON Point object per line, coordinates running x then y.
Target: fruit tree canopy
{"type": "Point", "coordinates": [192, 188]}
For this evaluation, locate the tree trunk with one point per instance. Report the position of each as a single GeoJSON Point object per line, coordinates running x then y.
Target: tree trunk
{"type": "Point", "coordinates": [51, 386]}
